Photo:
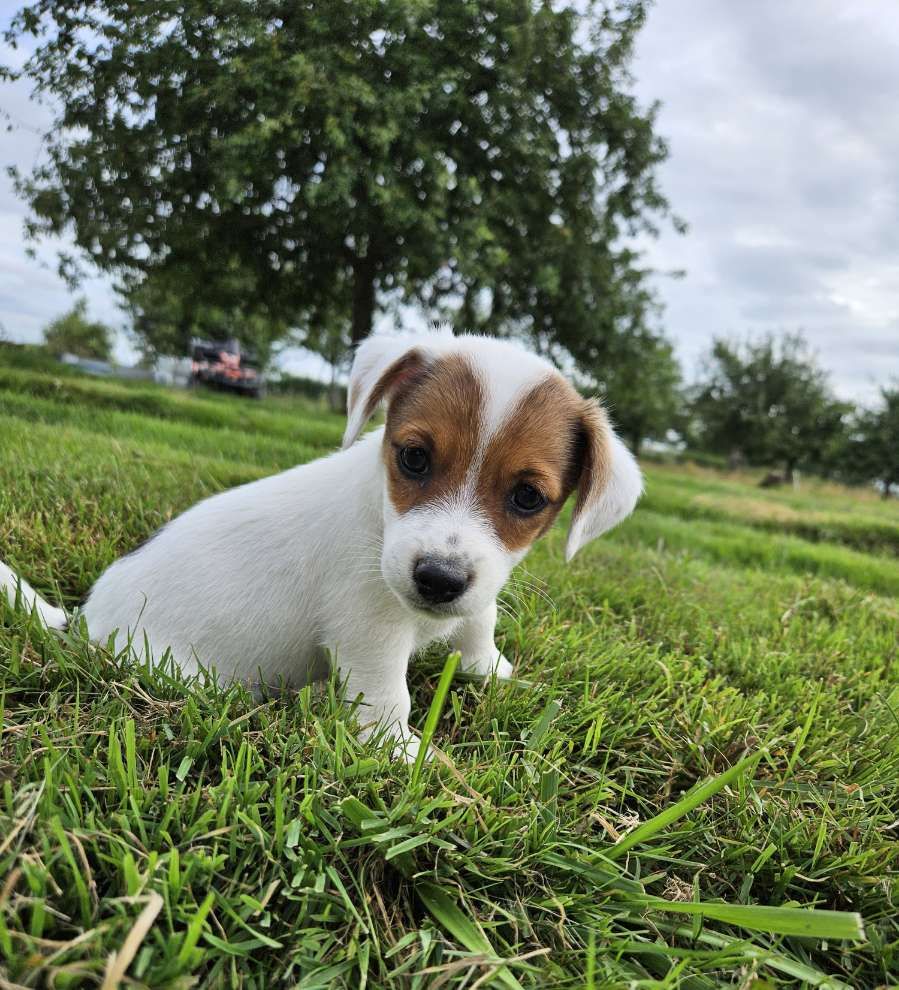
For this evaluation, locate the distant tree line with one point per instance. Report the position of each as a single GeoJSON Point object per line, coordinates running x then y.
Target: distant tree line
{"type": "Point", "coordinates": [763, 402]}
{"type": "Point", "coordinates": [768, 402]}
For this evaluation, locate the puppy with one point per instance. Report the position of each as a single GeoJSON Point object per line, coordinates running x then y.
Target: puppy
{"type": "Point", "coordinates": [403, 537]}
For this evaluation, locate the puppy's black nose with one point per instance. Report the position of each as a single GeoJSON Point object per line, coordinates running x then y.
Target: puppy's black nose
{"type": "Point", "coordinates": [439, 581]}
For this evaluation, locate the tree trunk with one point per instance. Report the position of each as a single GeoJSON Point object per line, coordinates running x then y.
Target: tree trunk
{"type": "Point", "coordinates": [186, 334]}
{"type": "Point", "coordinates": [336, 397]}
{"type": "Point", "coordinates": [468, 310]}
{"type": "Point", "coordinates": [789, 467]}
{"type": "Point", "coordinates": [363, 298]}
{"type": "Point", "coordinates": [887, 485]}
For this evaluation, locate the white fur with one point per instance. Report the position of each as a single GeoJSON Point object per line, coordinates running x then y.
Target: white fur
{"type": "Point", "coordinates": [10, 582]}
{"type": "Point", "coordinates": [264, 580]}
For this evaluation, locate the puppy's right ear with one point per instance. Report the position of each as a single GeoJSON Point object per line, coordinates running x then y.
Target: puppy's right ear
{"type": "Point", "coordinates": [382, 365]}
{"type": "Point", "coordinates": [610, 480]}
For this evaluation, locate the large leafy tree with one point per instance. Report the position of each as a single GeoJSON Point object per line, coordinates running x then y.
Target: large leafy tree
{"type": "Point", "coordinates": [769, 400]}
{"type": "Point", "coordinates": [484, 156]}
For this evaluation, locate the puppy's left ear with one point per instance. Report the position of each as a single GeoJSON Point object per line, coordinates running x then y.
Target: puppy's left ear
{"type": "Point", "coordinates": [382, 365]}
{"type": "Point", "coordinates": [609, 484]}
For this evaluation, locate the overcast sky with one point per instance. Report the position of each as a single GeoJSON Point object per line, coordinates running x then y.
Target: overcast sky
{"type": "Point", "coordinates": [782, 121]}
{"type": "Point", "coordinates": [781, 116]}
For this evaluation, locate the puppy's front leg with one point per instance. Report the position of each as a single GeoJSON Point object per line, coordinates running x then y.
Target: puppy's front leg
{"type": "Point", "coordinates": [474, 640]}
{"type": "Point", "coordinates": [381, 680]}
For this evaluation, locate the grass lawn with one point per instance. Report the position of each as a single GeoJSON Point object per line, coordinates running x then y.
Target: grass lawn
{"type": "Point", "coordinates": [160, 833]}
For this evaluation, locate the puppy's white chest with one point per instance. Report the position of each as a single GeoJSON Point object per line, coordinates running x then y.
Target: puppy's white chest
{"type": "Point", "coordinates": [429, 630]}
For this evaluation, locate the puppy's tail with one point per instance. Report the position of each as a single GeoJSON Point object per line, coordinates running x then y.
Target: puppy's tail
{"type": "Point", "coordinates": [10, 582]}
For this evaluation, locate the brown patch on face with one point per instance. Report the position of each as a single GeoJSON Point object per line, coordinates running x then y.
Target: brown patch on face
{"type": "Point", "coordinates": [554, 440]}
{"type": "Point", "coordinates": [440, 412]}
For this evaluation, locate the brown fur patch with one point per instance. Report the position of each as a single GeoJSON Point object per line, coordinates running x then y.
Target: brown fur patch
{"type": "Point", "coordinates": [551, 439]}
{"type": "Point", "coordinates": [441, 413]}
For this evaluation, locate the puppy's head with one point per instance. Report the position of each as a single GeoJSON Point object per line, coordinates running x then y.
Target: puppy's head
{"type": "Point", "coordinates": [483, 444]}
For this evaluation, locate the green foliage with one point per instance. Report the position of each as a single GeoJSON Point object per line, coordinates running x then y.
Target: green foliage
{"type": "Point", "coordinates": [74, 333]}
{"type": "Point", "coordinates": [871, 449]}
{"type": "Point", "coordinates": [337, 156]}
{"type": "Point", "coordinates": [226, 841]}
{"type": "Point", "coordinates": [768, 400]}
{"type": "Point", "coordinates": [640, 383]}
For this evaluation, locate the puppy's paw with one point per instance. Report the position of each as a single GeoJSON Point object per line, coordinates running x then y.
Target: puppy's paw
{"type": "Point", "coordinates": [495, 664]}
{"type": "Point", "coordinates": [503, 668]}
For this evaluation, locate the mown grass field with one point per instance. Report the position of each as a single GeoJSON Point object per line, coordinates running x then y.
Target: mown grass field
{"type": "Point", "coordinates": [171, 834]}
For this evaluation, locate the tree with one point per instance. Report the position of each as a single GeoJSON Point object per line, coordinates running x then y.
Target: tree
{"type": "Point", "coordinates": [74, 333]}
{"type": "Point", "coordinates": [769, 400]}
{"type": "Point", "coordinates": [640, 382]}
{"type": "Point", "coordinates": [484, 156]}
{"type": "Point", "coordinates": [871, 452]}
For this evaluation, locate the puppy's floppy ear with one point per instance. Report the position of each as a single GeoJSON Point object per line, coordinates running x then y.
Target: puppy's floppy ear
{"type": "Point", "coordinates": [382, 364]}
{"type": "Point", "coordinates": [609, 483]}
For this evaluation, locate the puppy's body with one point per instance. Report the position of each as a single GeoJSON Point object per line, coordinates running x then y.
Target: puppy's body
{"type": "Point", "coordinates": [260, 579]}
{"type": "Point", "coordinates": [401, 538]}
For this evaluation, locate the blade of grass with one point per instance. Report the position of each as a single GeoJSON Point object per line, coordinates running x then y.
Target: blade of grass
{"type": "Point", "coordinates": [766, 957]}
{"type": "Point", "coordinates": [806, 922]}
{"type": "Point", "coordinates": [542, 723]}
{"type": "Point", "coordinates": [803, 735]}
{"type": "Point", "coordinates": [694, 797]}
{"type": "Point", "coordinates": [194, 930]}
{"type": "Point", "coordinates": [434, 712]}
{"type": "Point", "coordinates": [452, 919]}
{"type": "Point", "coordinates": [442, 908]}
{"type": "Point", "coordinates": [602, 878]}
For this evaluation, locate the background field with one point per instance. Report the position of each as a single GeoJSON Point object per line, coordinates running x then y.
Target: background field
{"type": "Point", "coordinates": [718, 620]}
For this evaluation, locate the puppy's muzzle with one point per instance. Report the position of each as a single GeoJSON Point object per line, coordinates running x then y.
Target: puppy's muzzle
{"type": "Point", "coordinates": [439, 580]}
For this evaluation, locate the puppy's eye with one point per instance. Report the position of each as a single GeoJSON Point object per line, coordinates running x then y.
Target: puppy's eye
{"type": "Point", "coordinates": [414, 461]}
{"type": "Point", "coordinates": [526, 499]}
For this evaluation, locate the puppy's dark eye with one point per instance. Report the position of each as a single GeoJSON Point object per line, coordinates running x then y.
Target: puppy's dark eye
{"type": "Point", "coordinates": [526, 499]}
{"type": "Point", "coordinates": [414, 461]}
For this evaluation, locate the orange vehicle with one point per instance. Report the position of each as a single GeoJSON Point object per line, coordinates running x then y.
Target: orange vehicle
{"type": "Point", "coordinates": [224, 365]}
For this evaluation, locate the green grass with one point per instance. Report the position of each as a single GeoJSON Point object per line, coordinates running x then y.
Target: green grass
{"type": "Point", "coordinates": [588, 826]}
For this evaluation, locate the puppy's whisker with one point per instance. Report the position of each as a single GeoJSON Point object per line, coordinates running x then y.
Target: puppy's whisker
{"type": "Point", "coordinates": [525, 577]}
{"type": "Point", "coordinates": [530, 587]}
{"type": "Point", "coordinates": [506, 612]}
{"type": "Point", "coordinates": [362, 555]}
{"type": "Point", "coordinates": [542, 596]}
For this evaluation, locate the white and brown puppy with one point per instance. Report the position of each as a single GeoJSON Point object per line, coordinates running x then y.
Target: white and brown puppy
{"type": "Point", "coordinates": [403, 537]}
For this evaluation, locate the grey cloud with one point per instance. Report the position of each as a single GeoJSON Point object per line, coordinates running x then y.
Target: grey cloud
{"type": "Point", "coordinates": [784, 149]}
{"type": "Point", "coordinates": [769, 270]}
{"type": "Point", "coordinates": [778, 314]}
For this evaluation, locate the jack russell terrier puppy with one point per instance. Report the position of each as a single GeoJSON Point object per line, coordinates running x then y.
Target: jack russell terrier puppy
{"type": "Point", "coordinates": [403, 537]}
